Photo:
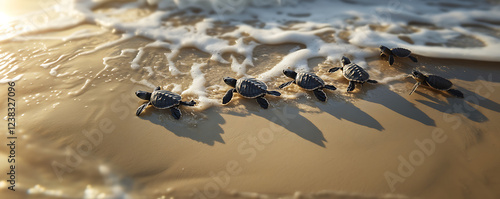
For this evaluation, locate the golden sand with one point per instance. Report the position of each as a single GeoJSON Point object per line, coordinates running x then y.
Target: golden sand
{"type": "Point", "coordinates": [78, 134]}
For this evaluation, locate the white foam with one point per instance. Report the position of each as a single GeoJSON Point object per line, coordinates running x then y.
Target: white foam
{"type": "Point", "coordinates": [239, 68]}
{"type": "Point", "coordinates": [429, 26]}
{"type": "Point", "coordinates": [40, 190]}
{"type": "Point", "coordinates": [6, 80]}
{"type": "Point", "coordinates": [91, 193]}
{"type": "Point", "coordinates": [105, 45]}
{"type": "Point", "coordinates": [198, 88]}
{"type": "Point", "coordinates": [48, 64]}
{"type": "Point", "coordinates": [149, 70]}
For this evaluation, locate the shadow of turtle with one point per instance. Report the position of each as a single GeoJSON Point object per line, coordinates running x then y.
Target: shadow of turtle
{"type": "Point", "coordinates": [459, 68]}
{"type": "Point", "coordinates": [285, 116]}
{"type": "Point", "coordinates": [391, 100]}
{"type": "Point", "coordinates": [479, 100]}
{"type": "Point", "coordinates": [207, 131]}
{"type": "Point", "coordinates": [348, 111]}
{"type": "Point", "coordinates": [361, 89]}
{"type": "Point", "coordinates": [453, 105]}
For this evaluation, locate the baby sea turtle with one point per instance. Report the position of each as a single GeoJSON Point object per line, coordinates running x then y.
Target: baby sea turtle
{"type": "Point", "coordinates": [162, 99]}
{"type": "Point", "coordinates": [308, 81]}
{"type": "Point", "coordinates": [398, 52]}
{"type": "Point", "coordinates": [353, 73]}
{"type": "Point", "coordinates": [248, 88]}
{"type": "Point", "coordinates": [435, 82]}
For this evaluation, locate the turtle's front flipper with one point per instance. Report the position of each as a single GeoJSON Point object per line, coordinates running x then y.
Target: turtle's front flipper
{"type": "Point", "coordinates": [191, 103]}
{"type": "Point", "coordinates": [176, 112]}
{"type": "Point", "coordinates": [320, 94]}
{"type": "Point", "coordinates": [382, 54]}
{"type": "Point", "coordinates": [228, 96]}
{"type": "Point", "coordinates": [415, 87]}
{"type": "Point", "coordinates": [141, 109]}
{"type": "Point", "coordinates": [333, 69]}
{"type": "Point", "coordinates": [391, 59]}
{"type": "Point", "coordinates": [330, 87]}
{"type": "Point", "coordinates": [414, 59]}
{"type": "Point", "coordinates": [456, 93]}
{"type": "Point", "coordinates": [351, 86]}
{"type": "Point", "coordinates": [275, 93]}
{"type": "Point", "coordinates": [371, 81]}
{"type": "Point", "coordinates": [263, 102]}
{"type": "Point", "coordinates": [286, 84]}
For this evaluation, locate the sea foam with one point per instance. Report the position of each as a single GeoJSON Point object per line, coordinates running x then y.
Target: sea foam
{"type": "Point", "coordinates": [444, 29]}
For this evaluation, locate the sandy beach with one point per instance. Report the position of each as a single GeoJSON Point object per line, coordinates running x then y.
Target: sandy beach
{"type": "Point", "coordinates": [78, 135]}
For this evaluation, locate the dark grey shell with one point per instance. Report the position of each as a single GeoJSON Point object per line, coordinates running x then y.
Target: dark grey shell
{"type": "Point", "coordinates": [163, 99]}
{"type": "Point", "coordinates": [251, 87]}
{"type": "Point", "coordinates": [401, 52]}
{"type": "Point", "coordinates": [309, 81]}
{"type": "Point", "coordinates": [438, 83]}
{"type": "Point", "coordinates": [353, 72]}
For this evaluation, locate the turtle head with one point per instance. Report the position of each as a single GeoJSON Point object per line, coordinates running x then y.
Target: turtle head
{"type": "Point", "coordinates": [418, 76]}
{"type": "Point", "coordinates": [345, 61]}
{"type": "Point", "coordinates": [230, 81]}
{"type": "Point", "coordinates": [384, 49]}
{"type": "Point", "coordinates": [143, 95]}
{"type": "Point", "coordinates": [290, 73]}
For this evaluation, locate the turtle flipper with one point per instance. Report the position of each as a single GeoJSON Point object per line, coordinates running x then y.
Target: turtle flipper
{"type": "Point", "coordinates": [275, 93]}
{"type": "Point", "coordinates": [176, 112]}
{"type": "Point", "coordinates": [286, 84]}
{"type": "Point", "coordinates": [141, 109]}
{"type": "Point", "coordinates": [334, 69]}
{"type": "Point", "coordinates": [330, 87]}
{"type": "Point", "coordinates": [415, 87]}
{"type": "Point", "coordinates": [191, 103]}
{"type": "Point", "coordinates": [456, 93]}
{"type": "Point", "coordinates": [391, 60]}
{"type": "Point", "coordinates": [371, 81]}
{"type": "Point", "coordinates": [320, 94]}
{"type": "Point", "coordinates": [382, 54]}
{"type": "Point", "coordinates": [228, 96]}
{"type": "Point", "coordinates": [263, 102]}
{"type": "Point", "coordinates": [414, 59]}
{"type": "Point", "coordinates": [351, 86]}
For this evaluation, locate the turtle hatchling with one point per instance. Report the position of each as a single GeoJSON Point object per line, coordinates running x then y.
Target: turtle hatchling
{"type": "Point", "coordinates": [162, 99]}
{"type": "Point", "coordinates": [398, 52]}
{"type": "Point", "coordinates": [353, 73]}
{"type": "Point", "coordinates": [308, 81]}
{"type": "Point", "coordinates": [248, 88]}
{"type": "Point", "coordinates": [435, 82]}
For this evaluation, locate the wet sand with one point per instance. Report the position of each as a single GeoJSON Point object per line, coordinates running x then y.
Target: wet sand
{"type": "Point", "coordinates": [79, 137]}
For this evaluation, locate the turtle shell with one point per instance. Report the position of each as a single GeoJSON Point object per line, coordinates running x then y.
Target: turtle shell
{"type": "Point", "coordinates": [250, 87]}
{"type": "Point", "coordinates": [401, 52]}
{"type": "Point", "coordinates": [438, 83]}
{"type": "Point", "coordinates": [309, 81]}
{"type": "Point", "coordinates": [163, 99]}
{"type": "Point", "coordinates": [353, 72]}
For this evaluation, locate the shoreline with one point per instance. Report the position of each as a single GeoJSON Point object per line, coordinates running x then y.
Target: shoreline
{"type": "Point", "coordinates": [374, 126]}
{"type": "Point", "coordinates": [78, 135]}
